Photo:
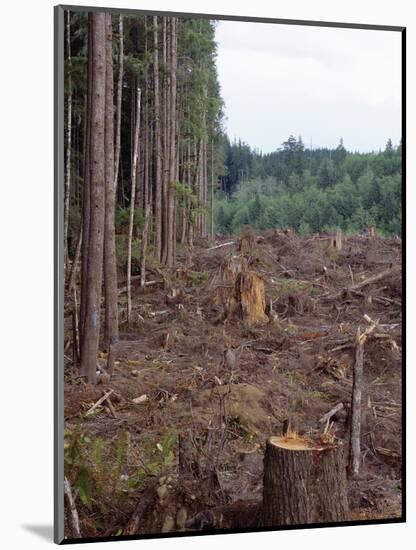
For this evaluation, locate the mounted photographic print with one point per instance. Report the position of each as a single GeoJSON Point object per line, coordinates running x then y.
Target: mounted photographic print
{"type": "Point", "coordinates": [229, 221]}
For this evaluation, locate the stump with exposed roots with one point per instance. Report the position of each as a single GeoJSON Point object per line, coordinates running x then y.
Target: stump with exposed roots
{"type": "Point", "coordinates": [304, 482]}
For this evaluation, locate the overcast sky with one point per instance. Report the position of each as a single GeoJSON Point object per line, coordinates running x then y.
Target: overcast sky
{"type": "Point", "coordinates": [320, 83]}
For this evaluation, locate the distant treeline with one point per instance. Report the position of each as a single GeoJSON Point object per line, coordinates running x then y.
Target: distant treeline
{"type": "Point", "coordinates": [310, 190]}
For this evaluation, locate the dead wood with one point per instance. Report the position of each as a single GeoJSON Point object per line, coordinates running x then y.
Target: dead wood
{"type": "Point", "coordinates": [123, 289]}
{"type": "Point", "coordinates": [240, 291]}
{"type": "Point", "coordinates": [72, 510]}
{"type": "Point", "coordinates": [147, 499]}
{"type": "Point", "coordinates": [370, 280]}
{"type": "Point", "coordinates": [99, 402]}
{"type": "Point", "coordinates": [188, 460]}
{"type": "Point", "coordinates": [237, 515]}
{"type": "Point", "coordinates": [326, 417]}
{"type": "Point", "coordinates": [111, 407]}
{"type": "Point", "coordinates": [220, 245]}
{"type": "Point", "coordinates": [338, 240]}
{"type": "Point", "coordinates": [375, 278]}
{"type": "Point", "coordinates": [357, 389]}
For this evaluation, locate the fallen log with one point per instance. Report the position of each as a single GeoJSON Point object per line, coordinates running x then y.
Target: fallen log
{"type": "Point", "coordinates": [375, 278]}
{"type": "Point", "coordinates": [370, 280]}
{"type": "Point", "coordinates": [220, 245]}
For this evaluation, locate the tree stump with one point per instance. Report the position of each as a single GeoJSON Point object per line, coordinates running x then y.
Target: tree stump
{"type": "Point", "coordinates": [338, 240]}
{"type": "Point", "coordinates": [240, 291]}
{"type": "Point", "coordinates": [304, 482]}
{"type": "Point", "coordinates": [249, 295]}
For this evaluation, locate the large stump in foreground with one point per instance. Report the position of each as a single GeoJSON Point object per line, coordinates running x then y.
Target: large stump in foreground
{"type": "Point", "coordinates": [304, 482]}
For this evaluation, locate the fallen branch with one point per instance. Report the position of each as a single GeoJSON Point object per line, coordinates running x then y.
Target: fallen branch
{"type": "Point", "coordinates": [382, 275]}
{"type": "Point", "coordinates": [111, 407]}
{"type": "Point", "coordinates": [379, 299]}
{"type": "Point", "coordinates": [73, 516]}
{"type": "Point", "coordinates": [123, 289]}
{"type": "Point", "coordinates": [324, 419]}
{"type": "Point", "coordinates": [220, 245]}
{"type": "Point", "coordinates": [99, 402]}
{"type": "Point", "coordinates": [370, 280]}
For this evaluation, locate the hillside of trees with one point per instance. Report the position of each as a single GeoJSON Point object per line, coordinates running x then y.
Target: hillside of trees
{"type": "Point", "coordinates": [310, 190]}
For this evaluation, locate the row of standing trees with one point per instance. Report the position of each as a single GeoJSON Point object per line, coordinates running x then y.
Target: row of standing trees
{"type": "Point", "coordinates": [143, 131]}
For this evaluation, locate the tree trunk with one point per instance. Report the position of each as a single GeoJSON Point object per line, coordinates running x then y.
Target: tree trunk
{"type": "Point", "coordinates": [110, 262]}
{"type": "Point", "coordinates": [356, 399]}
{"type": "Point", "coordinates": [158, 147]}
{"type": "Point", "coordinates": [75, 326]}
{"type": "Point", "coordinates": [205, 189]}
{"type": "Point", "coordinates": [119, 99]}
{"type": "Point", "coordinates": [97, 28]}
{"type": "Point", "coordinates": [199, 183]}
{"type": "Point", "coordinates": [172, 156]}
{"type": "Point", "coordinates": [74, 267]}
{"type": "Point", "coordinates": [86, 194]}
{"type": "Point", "coordinates": [145, 131]}
{"type": "Point", "coordinates": [304, 482]}
{"type": "Point", "coordinates": [212, 193]}
{"type": "Point", "coordinates": [68, 144]}
{"type": "Point", "coordinates": [132, 203]}
{"type": "Point", "coordinates": [144, 247]}
{"type": "Point", "coordinates": [166, 138]}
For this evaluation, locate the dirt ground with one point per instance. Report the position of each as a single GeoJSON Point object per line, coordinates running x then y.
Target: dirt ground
{"type": "Point", "coordinates": [173, 388]}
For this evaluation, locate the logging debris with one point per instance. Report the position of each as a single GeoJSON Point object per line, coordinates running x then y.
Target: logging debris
{"type": "Point", "coordinates": [294, 350]}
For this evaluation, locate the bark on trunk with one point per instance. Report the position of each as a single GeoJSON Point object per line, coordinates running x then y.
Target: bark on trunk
{"type": "Point", "coordinates": [68, 144]}
{"type": "Point", "coordinates": [119, 99]}
{"type": "Point", "coordinates": [86, 195]}
{"type": "Point", "coordinates": [132, 203]}
{"type": "Point", "coordinates": [212, 193]}
{"type": "Point", "coordinates": [172, 141]}
{"type": "Point", "coordinates": [144, 247]}
{"type": "Point", "coordinates": [158, 146]}
{"type": "Point", "coordinates": [303, 483]}
{"type": "Point", "coordinates": [110, 263]}
{"type": "Point", "coordinates": [165, 175]}
{"type": "Point", "coordinates": [97, 27]}
{"type": "Point", "coordinates": [355, 447]}
{"type": "Point", "coordinates": [74, 267]}
{"type": "Point", "coordinates": [75, 327]}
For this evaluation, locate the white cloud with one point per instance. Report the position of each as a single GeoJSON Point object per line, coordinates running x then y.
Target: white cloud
{"type": "Point", "coordinates": [314, 81]}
